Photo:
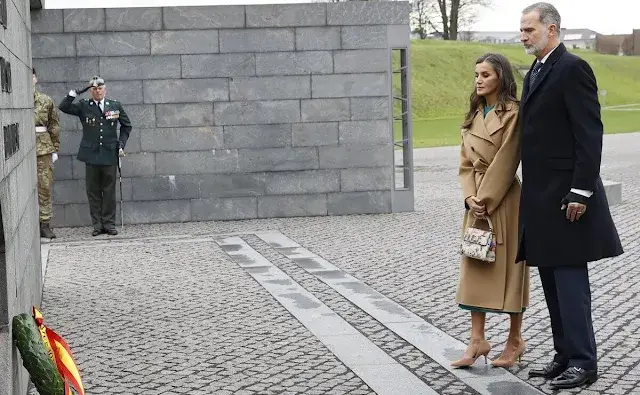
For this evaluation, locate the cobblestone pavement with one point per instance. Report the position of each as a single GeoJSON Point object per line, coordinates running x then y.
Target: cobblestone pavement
{"type": "Point", "coordinates": [185, 311]}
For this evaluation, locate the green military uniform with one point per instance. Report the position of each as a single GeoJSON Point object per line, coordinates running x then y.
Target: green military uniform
{"type": "Point", "coordinates": [99, 150]}
{"type": "Point", "coordinates": [47, 124]}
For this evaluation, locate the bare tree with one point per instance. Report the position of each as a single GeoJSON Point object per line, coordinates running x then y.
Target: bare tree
{"type": "Point", "coordinates": [446, 17]}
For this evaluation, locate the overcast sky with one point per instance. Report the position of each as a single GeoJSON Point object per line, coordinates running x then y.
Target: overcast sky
{"type": "Point", "coordinates": [606, 17]}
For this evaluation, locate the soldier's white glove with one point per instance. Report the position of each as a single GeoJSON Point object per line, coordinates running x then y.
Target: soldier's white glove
{"type": "Point", "coordinates": [54, 156]}
{"type": "Point", "coordinates": [120, 152]}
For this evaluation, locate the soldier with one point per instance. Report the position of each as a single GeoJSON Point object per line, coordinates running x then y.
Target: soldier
{"type": "Point", "coordinates": [47, 123]}
{"type": "Point", "coordinates": [100, 148]}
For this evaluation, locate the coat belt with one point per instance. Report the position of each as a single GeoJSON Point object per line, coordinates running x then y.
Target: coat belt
{"type": "Point", "coordinates": [41, 129]}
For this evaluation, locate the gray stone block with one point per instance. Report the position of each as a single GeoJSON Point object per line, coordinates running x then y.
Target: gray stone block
{"type": "Point", "coordinates": [317, 38]}
{"type": "Point", "coordinates": [366, 108]}
{"type": "Point", "coordinates": [53, 45]}
{"type": "Point", "coordinates": [256, 112]}
{"type": "Point", "coordinates": [368, 13]}
{"type": "Point", "coordinates": [365, 132]}
{"type": "Point", "coordinates": [79, 169]}
{"type": "Point", "coordinates": [180, 139]}
{"type": "Point", "coordinates": [222, 65]}
{"type": "Point", "coordinates": [270, 88]}
{"type": "Point", "coordinates": [139, 67]}
{"type": "Point", "coordinates": [314, 134]}
{"type": "Point", "coordinates": [361, 61]}
{"type": "Point", "coordinates": [185, 90]}
{"type": "Point", "coordinates": [228, 16]}
{"type": "Point", "coordinates": [231, 184]}
{"type": "Point", "coordinates": [66, 69]}
{"type": "Point", "coordinates": [257, 136]}
{"type": "Point", "coordinates": [161, 211]}
{"type": "Point", "coordinates": [292, 206]}
{"type": "Point", "coordinates": [196, 162]}
{"type": "Point", "coordinates": [277, 159]}
{"type": "Point", "coordinates": [257, 40]}
{"type": "Point", "coordinates": [69, 141]}
{"type": "Point", "coordinates": [285, 15]}
{"type": "Point", "coordinates": [126, 92]}
{"type": "Point", "coordinates": [184, 42]}
{"type": "Point", "coordinates": [182, 115]}
{"type": "Point", "coordinates": [46, 21]}
{"type": "Point", "coordinates": [77, 215]}
{"type": "Point", "coordinates": [320, 110]}
{"type": "Point", "coordinates": [346, 156]}
{"type": "Point", "coordinates": [137, 165]}
{"type": "Point", "coordinates": [165, 188]}
{"type": "Point", "coordinates": [74, 191]}
{"type": "Point", "coordinates": [142, 115]}
{"type": "Point", "coordinates": [63, 168]}
{"type": "Point", "coordinates": [223, 209]}
{"type": "Point", "coordinates": [84, 20]}
{"type": "Point", "coordinates": [366, 179]}
{"type": "Point", "coordinates": [363, 37]}
{"type": "Point", "coordinates": [613, 190]}
{"type": "Point", "coordinates": [130, 19]}
{"type": "Point", "coordinates": [56, 90]}
{"type": "Point", "coordinates": [349, 85]}
{"type": "Point", "coordinates": [302, 182]}
{"type": "Point", "coordinates": [113, 44]}
{"type": "Point", "coordinates": [359, 203]}
{"type": "Point", "coordinates": [294, 63]}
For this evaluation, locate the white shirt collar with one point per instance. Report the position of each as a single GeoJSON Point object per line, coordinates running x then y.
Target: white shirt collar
{"type": "Point", "coordinates": [547, 55]}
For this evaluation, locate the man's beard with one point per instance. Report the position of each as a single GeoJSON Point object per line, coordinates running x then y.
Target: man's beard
{"type": "Point", "coordinates": [538, 48]}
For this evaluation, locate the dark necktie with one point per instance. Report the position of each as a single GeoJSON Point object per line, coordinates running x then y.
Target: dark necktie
{"type": "Point", "coordinates": [534, 73]}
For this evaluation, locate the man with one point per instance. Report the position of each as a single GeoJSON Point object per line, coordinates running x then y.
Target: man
{"type": "Point", "coordinates": [47, 123]}
{"type": "Point", "coordinates": [564, 214]}
{"type": "Point", "coordinates": [100, 149]}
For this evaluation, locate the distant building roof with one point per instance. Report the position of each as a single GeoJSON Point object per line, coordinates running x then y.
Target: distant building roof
{"type": "Point", "coordinates": [578, 34]}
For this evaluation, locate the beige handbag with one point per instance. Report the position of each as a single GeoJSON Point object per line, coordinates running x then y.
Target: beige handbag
{"type": "Point", "coordinates": [479, 244]}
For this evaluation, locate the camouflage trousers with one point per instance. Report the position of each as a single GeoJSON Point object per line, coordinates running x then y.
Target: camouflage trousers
{"type": "Point", "coordinates": [45, 184]}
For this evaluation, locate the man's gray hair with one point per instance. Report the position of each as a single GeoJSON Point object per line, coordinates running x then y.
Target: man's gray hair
{"type": "Point", "coordinates": [549, 15]}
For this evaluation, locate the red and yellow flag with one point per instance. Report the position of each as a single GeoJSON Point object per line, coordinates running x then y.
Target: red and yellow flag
{"type": "Point", "coordinates": [60, 354]}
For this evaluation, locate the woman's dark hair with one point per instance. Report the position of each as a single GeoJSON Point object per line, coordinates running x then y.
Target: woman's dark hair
{"type": "Point", "coordinates": [507, 88]}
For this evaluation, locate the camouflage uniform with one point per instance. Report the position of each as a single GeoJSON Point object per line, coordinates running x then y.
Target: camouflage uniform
{"type": "Point", "coordinates": [47, 143]}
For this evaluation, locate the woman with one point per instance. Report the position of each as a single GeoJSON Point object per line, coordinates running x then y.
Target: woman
{"type": "Point", "coordinates": [489, 158]}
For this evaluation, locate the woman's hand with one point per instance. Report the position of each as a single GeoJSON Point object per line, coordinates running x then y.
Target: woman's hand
{"type": "Point", "coordinates": [478, 210]}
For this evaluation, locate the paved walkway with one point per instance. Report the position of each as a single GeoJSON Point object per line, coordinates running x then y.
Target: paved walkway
{"type": "Point", "coordinates": [323, 305]}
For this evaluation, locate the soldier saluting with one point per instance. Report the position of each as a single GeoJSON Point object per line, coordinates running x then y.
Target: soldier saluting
{"type": "Point", "coordinates": [99, 149]}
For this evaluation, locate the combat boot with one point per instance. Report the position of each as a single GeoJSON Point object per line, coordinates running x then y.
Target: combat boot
{"type": "Point", "coordinates": [45, 231]}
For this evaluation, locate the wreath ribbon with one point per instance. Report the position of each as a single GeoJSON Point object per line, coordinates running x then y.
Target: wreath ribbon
{"type": "Point", "coordinates": [61, 355]}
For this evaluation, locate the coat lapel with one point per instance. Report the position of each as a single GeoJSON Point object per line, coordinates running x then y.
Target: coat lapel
{"type": "Point", "coordinates": [478, 127]}
{"type": "Point", "coordinates": [492, 122]}
{"type": "Point", "coordinates": [542, 74]}
{"type": "Point", "coordinates": [94, 108]}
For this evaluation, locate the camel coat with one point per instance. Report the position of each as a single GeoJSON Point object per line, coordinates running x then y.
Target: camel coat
{"type": "Point", "coordinates": [489, 158]}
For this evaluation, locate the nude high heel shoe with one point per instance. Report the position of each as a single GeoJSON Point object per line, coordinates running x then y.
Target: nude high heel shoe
{"type": "Point", "coordinates": [475, 350]}
{"type": "Point", "coordinates": [508, 359]}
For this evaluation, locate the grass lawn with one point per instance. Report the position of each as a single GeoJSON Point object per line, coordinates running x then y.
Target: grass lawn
{"type": "Point", "coordinates": [446, 131]}
{"type": "Point", "coordinates": [442, 79]}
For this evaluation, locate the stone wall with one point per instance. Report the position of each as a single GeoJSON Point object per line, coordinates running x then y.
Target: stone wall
{"type": "Point", "coordinates": [238, 111]}
{"type": "Point", "coordinates": [20, 275]}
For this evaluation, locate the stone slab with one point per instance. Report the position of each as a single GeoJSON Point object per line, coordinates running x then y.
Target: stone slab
{"type": "Point", "coordinates": [131, 19]}
{"type": "Point", "coordinates": [296, 63]}
{"type": "Point", "coordinates": [613, 190]}
{"type": "Point", "coordinates": [286, 15]}
{"type": "Point", "coordinates": [203, 17]}
{"type": "Point", "coordinates": [184, 42]}
{"type": "Point", "coordinates": [257, 40]}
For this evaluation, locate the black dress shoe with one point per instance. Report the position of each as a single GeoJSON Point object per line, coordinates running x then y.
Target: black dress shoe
{"type": "Point", "coordinates": [574, 377]}
{"type": "Point", "coordinates": [112, 232]}
{"type": "Point", "coordinates": [96, 232]}
{"type": "Point", "coordinates": [550, 371]}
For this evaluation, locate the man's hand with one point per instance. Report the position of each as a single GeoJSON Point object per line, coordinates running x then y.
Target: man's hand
{"type": "Point", "coordinates": [120, 149]}
{"type": "Point", "coordinates": [575, 204]}
{"type": "Point", "coordinates": [83, 90]}
{"type": "Point", "coordinates": [478, 210]}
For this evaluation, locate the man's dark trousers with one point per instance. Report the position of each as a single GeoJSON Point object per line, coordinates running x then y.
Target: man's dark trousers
{"type": "Point", "coordinates": [101, 192]}
{"type": "Point", "coordinates": [568, 296]}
